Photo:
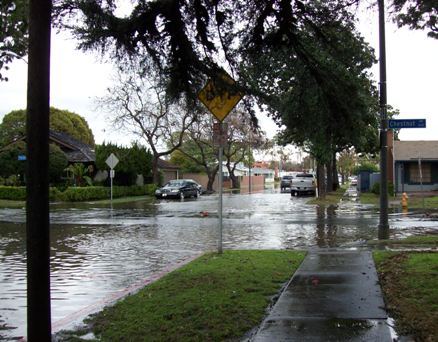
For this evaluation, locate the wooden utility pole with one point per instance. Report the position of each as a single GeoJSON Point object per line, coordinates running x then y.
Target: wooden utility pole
{"type": "Point", "coordinates": [37, 199]}
{"type": "Point", "coordinates": [383, 232]}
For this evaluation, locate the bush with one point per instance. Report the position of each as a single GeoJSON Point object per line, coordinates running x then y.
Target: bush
{"type": "Point", "coordinates": [15, 193]}
{"type": "Point", "coordinates": [376, 188]}
{"type": "Point", "coordinates": [75, 194]}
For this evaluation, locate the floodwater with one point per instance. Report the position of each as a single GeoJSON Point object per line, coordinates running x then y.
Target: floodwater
{"type": "Point", "coordinates": [97, 252]}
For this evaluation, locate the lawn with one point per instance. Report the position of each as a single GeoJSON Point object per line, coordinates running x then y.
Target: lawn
{"type": "Point", "coordinates": [214, 298]}
{"type": "Point", "coordinates": [414, 202]}
{"type": "Point", "coordinates": [420, 240]}
{"type": "Point", "coordinates": [409, 281]}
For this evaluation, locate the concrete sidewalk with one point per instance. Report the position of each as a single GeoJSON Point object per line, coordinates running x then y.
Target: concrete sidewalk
{"type": "Point", "coordinates": [333, 296]}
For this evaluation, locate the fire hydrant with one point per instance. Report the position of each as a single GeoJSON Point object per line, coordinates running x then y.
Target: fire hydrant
{"type": "Point", "coordinates": [404, 200]}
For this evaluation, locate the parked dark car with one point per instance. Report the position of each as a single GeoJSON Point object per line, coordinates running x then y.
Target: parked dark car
{"type": "Point", "coordinates": [285, 182]}
{"type": "Point", "coordinates": [179, 188]}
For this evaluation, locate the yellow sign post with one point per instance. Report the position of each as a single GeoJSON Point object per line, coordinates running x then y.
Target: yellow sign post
{"type": "Point", "coordinates": [220, 96]}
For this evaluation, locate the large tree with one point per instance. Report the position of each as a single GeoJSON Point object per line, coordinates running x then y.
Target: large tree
{"type": "Point", "coordinates": [137, 103]}
{"type": "Point", "coordinates": [241, 139]}
{"type": "Point", "coordinates": [198, 147]}
{"type": "Point", "coordinates": [13, 126]}
{"type": "Point", "coordinates": [190, 40]}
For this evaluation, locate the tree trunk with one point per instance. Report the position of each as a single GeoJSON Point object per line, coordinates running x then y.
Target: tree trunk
{"type": "Point", "coordinates": [335, 173]}
{"type": "Point", "coordinates": [155, 171]}
{"type": "Point", "coordinates": [37, 173]}
{"type": "Point", "coordinates": [320, 174]}
{"type": "Point", "coordinates": [329, 169]}
{"type": "Point", "coordinates": [211, 177]}
{"type": "Point", "coordinates": [235, 183]}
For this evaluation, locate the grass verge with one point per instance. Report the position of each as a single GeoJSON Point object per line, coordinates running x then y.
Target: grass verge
{"type": "Point", "coordinates": [330, 198]}
{"type": "Point", "coordinates": [410, 285]}
{"type": "Point", "coordinates": [214, 298]}
{"type": "Point", "coordinates": [12, 204]}
{"type": "Point", "coordinates": [414, 202]}
{"type": "Point", "coordinates": [422, 240]}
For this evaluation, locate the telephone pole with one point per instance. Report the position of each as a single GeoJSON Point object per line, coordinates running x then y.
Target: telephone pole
{"type": "Point", "coordinates": [383, 232]}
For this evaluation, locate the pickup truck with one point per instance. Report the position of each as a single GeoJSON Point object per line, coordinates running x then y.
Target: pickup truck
{"type": "Point", "coordinates": [303, 184]}
{"type": "Point", "coordinates": [285, 182]}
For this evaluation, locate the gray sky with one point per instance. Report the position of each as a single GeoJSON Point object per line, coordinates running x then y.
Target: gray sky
{"type": "Point", "coordinates": [78, 78]}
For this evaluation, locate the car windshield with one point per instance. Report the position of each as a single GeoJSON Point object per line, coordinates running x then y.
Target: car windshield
{"type": "Point", "coordinates": [175, 183]}
{"type": "Point", "coordinates": [287, 177]}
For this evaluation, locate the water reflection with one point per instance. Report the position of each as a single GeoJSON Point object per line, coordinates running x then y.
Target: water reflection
{"type": "Point", "coordinates": [96, 251]}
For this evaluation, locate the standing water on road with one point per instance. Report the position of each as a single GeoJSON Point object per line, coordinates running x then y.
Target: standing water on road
{"type": "Point", "coordinates": [96, 252]}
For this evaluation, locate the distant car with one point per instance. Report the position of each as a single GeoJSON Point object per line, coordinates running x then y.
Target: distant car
{"type": "Point", "coordinates": [179, 188]}
{"type": "Point", "coordinates": [303, 184]}
{"type": "Point", "coordinates": [353, 180]}
{"type": "Point", "coordinates": [285, 182]}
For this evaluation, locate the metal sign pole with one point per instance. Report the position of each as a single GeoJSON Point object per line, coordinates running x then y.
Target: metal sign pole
{"type": "Point", "coordinates": [111, 178]}
{"type": "Point", "coordinates": [221, 148]}
{"type": "Point", "coordinates": [421, 180]}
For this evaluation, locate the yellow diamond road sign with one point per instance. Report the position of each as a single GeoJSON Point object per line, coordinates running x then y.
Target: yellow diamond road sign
{"type": "Point", "coordinates": [220, 96]}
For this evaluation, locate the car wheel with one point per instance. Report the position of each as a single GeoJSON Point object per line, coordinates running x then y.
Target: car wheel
{"type": "Point", "coordinates": [197, 194]}
{"type": "Point", "coordinates": [181, 195]}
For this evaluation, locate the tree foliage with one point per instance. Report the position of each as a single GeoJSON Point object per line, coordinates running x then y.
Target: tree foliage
{"type": "Point", "coordinates": [11, 166]}
{"type": "Point", "coordinates": [13, 32]}
{"type": "Point", "coordinates": [133, 161]}
{"type": "Point", "coordinates": [417, 14]}
{"type": "Point", "coordinates": [13, 126]}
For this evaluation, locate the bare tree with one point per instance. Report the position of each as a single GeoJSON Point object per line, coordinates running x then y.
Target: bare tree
{"type": "Point", "coordinates": [198, 147]}
{"type": "Point", "coordinates": [139, 105]}
{"type": "Point", "coordinates": [242, 137]}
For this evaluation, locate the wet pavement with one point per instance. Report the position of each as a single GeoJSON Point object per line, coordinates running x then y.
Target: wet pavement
{"type": "Point", "coordinates": [333, 296]}
{"type": "Point", "coordinates": [97, 252]}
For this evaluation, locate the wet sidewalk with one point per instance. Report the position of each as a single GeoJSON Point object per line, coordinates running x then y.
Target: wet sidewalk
{"type": "Point", "coordinates": [333, 296]}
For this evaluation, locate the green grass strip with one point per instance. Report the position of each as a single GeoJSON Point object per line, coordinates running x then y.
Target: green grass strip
{"type": "Point", "coordinates": [410, 284]}
{"type": "Point", "coordinates": [421, 240]}
{"type": "Point", "coordinates": [331, 198]}
{"type": "Point", "coordinates": [12, 204]}
{"type": "Point", "coordinates": [214, 298]}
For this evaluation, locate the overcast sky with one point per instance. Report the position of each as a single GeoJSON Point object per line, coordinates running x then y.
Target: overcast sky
{"type": "Point", "coordinates": [78, 78]}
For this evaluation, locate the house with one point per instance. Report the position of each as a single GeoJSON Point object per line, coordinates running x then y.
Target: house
{"type": "Point", "coordinates": [268, 174]}
{"type": "Point", "coordinates": [74, 150]}
{"type": "Point", "coordinates": [415, 166]}
{"type": "Point", "coordinates": [168, 170]}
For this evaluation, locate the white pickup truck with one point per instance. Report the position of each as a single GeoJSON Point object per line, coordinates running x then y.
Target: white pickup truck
{"type": "Point", "coordinates": [303, 184]}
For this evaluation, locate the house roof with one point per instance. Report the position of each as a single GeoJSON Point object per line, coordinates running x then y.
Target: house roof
{"type": "Point", "coordinates": [409, 150]}
{"type": "Point", "coordinates": [76, 151]}
{"type": "Point", "coordinates": [165, 165]}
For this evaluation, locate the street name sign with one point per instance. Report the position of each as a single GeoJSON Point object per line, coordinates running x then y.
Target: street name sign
{"type": "Point", "coordinates": [220, 96]}
{"type": "Point", "coordinates": [407, 123]}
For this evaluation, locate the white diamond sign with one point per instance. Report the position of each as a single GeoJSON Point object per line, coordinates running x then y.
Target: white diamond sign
{"type": "Point", "coordinates": [112, 161]}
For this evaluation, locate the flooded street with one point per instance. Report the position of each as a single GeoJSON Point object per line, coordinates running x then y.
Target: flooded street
{"type": "Point", "coordinates": [96, 251]}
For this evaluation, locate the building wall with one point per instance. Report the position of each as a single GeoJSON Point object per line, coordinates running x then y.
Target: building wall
{"type": "Point", "coordinates": [404, 182]}
{"type": "Point", "coordinates": [257, 182]}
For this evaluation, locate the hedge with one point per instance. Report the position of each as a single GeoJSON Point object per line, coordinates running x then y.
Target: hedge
{"type": "Point", "coordinates": [15, 193]}
{"type": "Point", "coordinates": [74, 194]}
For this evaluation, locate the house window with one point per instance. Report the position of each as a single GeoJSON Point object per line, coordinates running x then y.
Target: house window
{"type": "Point", "coordinates": [414, 173]}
